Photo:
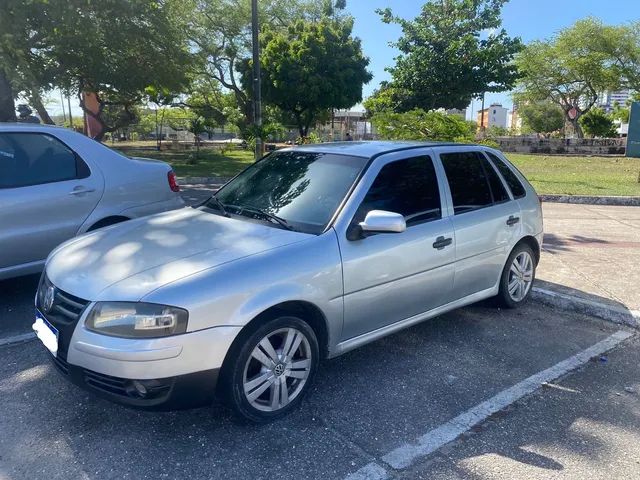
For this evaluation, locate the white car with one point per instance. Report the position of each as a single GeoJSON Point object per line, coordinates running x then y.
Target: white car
{"type": "Point", "coordinates": [56, 184]}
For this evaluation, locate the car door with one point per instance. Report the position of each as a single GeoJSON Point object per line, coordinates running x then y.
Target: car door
{"type": "Point", "coordinates": [46, 193]}
{"type": "Point", "coordinates": [389, 277]}
{"type": "Point", "coordinates": [485, 218]}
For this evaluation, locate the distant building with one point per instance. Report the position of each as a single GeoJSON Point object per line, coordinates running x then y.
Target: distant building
{"type": "Point", "coordinates": [607, 100]}
{"type": "Point", "coordinates": [494, 116]}
{"type": "Point", "coordinates": [514, 121]}
{"type": "Point", "coordinates": [343, 122]}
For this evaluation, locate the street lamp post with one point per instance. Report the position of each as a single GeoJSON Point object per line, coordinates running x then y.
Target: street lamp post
{"type": "Point", "coordinates": [257, 92]}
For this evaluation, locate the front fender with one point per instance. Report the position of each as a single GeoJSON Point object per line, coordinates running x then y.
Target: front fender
{"type": "Point", "coordinates": [235, 293]}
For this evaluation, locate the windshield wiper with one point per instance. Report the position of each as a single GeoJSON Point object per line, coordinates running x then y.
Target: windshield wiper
{"type": "Point", "coordinates": [218, 204]}
{"type": "Point", "coordinates": [250, 208]}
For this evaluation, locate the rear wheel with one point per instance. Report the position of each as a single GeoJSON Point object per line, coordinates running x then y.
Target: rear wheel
{"type": "Point", "coordinates": [517, 277]}
{"type": "Point", "coordinates": [271, 369]}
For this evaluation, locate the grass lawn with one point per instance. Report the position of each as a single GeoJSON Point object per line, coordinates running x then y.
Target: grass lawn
{"type": "Point", "coordinates": [209, 163]}
{"type": "Point", "coordinates": [548, 174]}
{"type": "Point", "coordinates": [580, 175]}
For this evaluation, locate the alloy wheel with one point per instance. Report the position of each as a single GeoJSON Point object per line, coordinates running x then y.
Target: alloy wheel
{"type": "Point", "coordinates": [520, 276]}
{"type": "Point", "coordinates": [277, 369]}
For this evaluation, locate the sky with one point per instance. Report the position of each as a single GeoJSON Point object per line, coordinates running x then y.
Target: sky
{"type": "Point", "coordinates": [527, 19]}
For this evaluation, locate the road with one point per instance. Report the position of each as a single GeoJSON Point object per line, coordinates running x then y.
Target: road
{"type": "Point", "coordinates": [368, 412]}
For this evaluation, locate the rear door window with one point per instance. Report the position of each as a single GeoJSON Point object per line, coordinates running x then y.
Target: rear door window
{"type": "Point", "coordinates": [498, 192]}
{"type": "Point", "coordinates": [35, 158]}
{"type": "Point", "coordinates": [468, 182]}
{"type": "Point", "coordinates": [516, 187]}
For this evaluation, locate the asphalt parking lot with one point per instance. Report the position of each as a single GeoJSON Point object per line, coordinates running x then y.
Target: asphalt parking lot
{"type": "Point", "coordinates": [455, 397]}
{"type": "Point", "coordinates": [364, 405]}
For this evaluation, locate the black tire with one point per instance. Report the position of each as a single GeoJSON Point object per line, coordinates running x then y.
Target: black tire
{"type": "Point", "coordinates": [504, 298]}
{"type": "Point", "coordinates": [231, 385]}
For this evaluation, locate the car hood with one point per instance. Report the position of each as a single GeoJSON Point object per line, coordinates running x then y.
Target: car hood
{"type": "Point", "coordinates": [131, 259]}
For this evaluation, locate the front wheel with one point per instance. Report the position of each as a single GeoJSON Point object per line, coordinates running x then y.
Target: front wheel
{"type": "Point", "coordinates": [271, 369]}
{"type": "Point", "coordinates": [517, 277]}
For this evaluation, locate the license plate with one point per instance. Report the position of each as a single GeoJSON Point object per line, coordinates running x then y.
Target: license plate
{"type": "Point", "coordinates": [47, 333]}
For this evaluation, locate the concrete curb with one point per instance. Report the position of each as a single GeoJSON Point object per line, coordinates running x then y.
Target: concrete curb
{"type": "Point", "coordinates": [610, 313]}
{"type": "Point", "coordinates": [592, 200]}
{"type": "Point", "coordinates": [203, 180]}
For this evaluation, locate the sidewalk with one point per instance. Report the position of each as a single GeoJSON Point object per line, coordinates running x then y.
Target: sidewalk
{"type": "Point", "coordinates": [592, 252]}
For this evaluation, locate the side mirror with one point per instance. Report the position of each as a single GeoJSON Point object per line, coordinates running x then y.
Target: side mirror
{"type": "Point", "coordinates": [379, 221]}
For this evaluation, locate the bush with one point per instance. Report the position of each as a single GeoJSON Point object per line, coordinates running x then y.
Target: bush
{"type": "Point", "coordinates": [421, 125]}
{"type": "Point", "coordinates": [596, 123]}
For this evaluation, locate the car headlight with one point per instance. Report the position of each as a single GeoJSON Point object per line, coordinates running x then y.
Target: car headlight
{"type": "Point", "coordinates": [136, 320]}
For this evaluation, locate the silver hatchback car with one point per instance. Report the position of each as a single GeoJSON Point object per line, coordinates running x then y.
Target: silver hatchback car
{"type": "Point", "coordinates": [56, 184]}
{"type": "Point", "coordinates": [308, 253]}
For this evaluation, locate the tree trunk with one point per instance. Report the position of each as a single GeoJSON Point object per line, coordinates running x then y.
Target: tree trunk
{"type": "Point", "coordinates": [7, 105]}
{"type": "Point", "coordinates": [36, 102]}
{"type": "Point", "coordinates": [300, 124]}
{"type": "Point", "coordinates": [572, 127]}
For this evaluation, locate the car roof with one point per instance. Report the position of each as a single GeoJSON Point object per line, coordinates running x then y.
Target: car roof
{"type": "Point", "coordinates": [370, 149]}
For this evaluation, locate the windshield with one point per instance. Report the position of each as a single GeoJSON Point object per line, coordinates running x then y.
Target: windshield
{"type": "Point", "coordinates": [304, 189]}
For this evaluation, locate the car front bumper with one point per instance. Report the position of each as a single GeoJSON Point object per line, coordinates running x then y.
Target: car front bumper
{"type": "Point", "coordinates": [173, 372]}
{"type": "Point", "coordinates": [166, 373]}
{"type": "Point", "coordinates": [171, 393]}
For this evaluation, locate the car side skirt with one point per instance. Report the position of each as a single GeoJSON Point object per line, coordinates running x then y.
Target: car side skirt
{"type": "Point", "coordinates": [363, 339]}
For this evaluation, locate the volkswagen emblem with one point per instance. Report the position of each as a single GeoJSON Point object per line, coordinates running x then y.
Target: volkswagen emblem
{"type": "Point", "coordinates": [49, 298]}
{"type": "Point", "coordinates": [279, 369]}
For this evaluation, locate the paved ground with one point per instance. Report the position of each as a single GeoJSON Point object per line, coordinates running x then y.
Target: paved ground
{"type": "Point", "coordinates": [386, 397]}
{"type": "Point", "coordinates": [364, 405]}
{"type": "Point", "coordinates": [593, 252]}
{"type": "Point", "coordinates": [585, 427]}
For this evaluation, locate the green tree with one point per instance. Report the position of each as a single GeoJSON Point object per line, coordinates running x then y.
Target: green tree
{"type": "Point", "coordinates": [621, 43]}
{"type": "Point", "coordinates": [569, 70]}
{"type": "Point", "coordinates": [311, 68]}
{"type": "Point", "coordinates": [197, 127]}
{"type": "Point", "coordinates": [23, 70]}
{"type": "Point", "coordinates": [445, 60]}
{"type": "Point", "coordinates": [421, 125]}
{"type": "Point", "coordinates": [220, 31]}
{"type": "Point", "coordinates": [117, 49]}
{"type": "Point", "coordinates": [596, 123]}
{"type": "Point", "coordinates": [214, 106]}
{"type": "Point", "coordinates": [179, 119]}
{"type": "Point", "coordinates": [541, 117]}
{"type": "Point", "coordinates": [383, 99]}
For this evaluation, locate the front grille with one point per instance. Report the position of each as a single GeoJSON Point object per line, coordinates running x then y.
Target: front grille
{"type": "Point", "coordinates": [63, 314]}
{"type": "Point", "coordinates": [66, 308]}
{"type": "Point", "coordinates": [106, 383]}
{"type": "Point", "coordinates": [125, 388]}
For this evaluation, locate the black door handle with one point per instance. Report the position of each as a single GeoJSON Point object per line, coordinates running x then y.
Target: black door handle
{"type": "Point", "coordinates": [442, 242]}
{"type": "Point", "coordinates": [513, 220]}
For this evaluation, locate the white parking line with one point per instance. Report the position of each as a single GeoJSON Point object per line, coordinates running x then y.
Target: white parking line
{"type": "Point", "coordinates": [371, 471]}
{"type": "Point", "coordinates": [404, 456]}
{"type": "Point", "coordinates": [17, 339]}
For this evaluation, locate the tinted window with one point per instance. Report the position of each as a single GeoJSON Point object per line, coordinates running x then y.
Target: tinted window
{"type": "Point", "coordinates": [467, 181]}
{"type": "Point", "coordinates": [409, 187]}
{"type": "Point", "coordinates": [512, 180]}
{"type": "Point", "coordinates": [498, 191]}
{"type": "Point", "coordinates": [34, 158]}
{"type": "Point", "coordinates": [303, 188]}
